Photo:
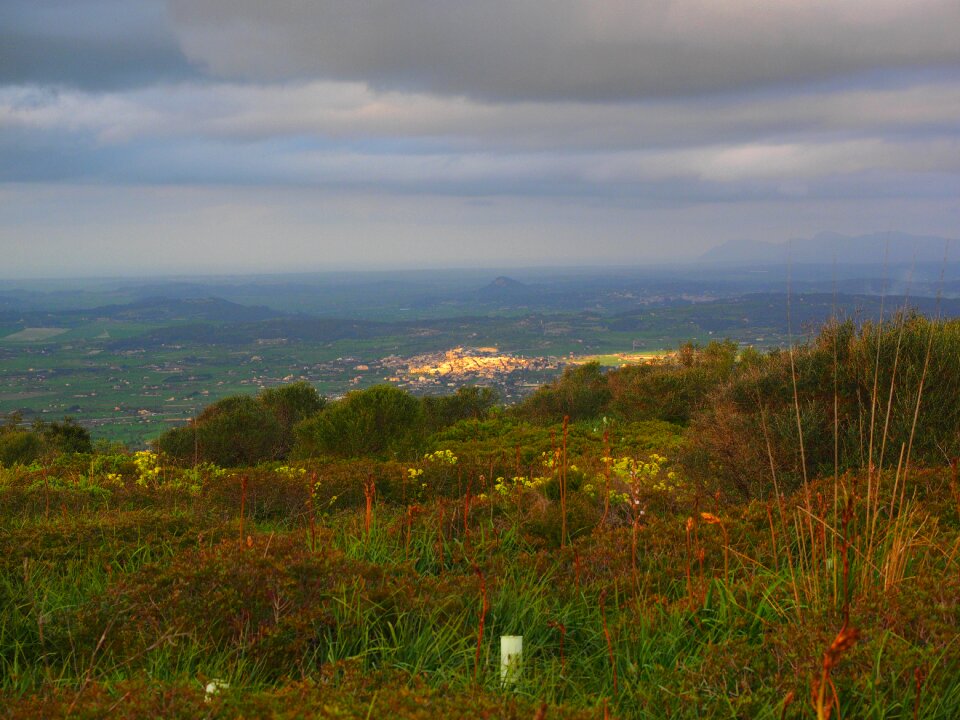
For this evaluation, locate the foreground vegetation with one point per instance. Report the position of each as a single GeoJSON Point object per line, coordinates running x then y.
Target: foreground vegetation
{"type": "Point", "coordinates": [721, 534]}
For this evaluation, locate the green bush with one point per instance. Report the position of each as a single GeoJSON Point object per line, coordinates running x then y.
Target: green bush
{"type": "Point", "coordinates": [382, 421]}
{"type": "Point", "coordinates": [581, 393]}
{"type": "Point", "coordinates": [242, 430]}
{"type": "Point", "coordinates": [857, 392]}
{"type": "Point", "coordinates": [19, 447]}
{"type": "Point", "coordinates": [467, 403]}
{"type": "Point", "coordinates": [234, 431]}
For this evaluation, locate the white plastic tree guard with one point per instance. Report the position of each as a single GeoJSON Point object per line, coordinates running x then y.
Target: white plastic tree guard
{"type": "Point", "coordinates": [511, 654]}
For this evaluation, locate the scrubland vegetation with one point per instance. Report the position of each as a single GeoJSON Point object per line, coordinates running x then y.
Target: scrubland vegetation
{"type": "Point", "coordinates": [723, 533]}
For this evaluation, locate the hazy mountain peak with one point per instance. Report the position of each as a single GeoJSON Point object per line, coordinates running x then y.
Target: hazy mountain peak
{"type": "Point", "coordinates": [504, 282]}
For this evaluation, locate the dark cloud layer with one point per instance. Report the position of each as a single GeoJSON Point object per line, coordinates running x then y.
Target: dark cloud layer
{"type": "Point", "coordinates": [93, 44]}
{"type": "Point", "coordinates": [566, 49]}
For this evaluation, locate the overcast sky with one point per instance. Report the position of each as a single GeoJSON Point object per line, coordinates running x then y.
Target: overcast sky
{"type": "Point", "coordinates": [148, 137]}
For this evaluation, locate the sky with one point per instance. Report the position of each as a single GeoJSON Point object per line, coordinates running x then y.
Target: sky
{"type": "Point", "coordinates": [142, 137]}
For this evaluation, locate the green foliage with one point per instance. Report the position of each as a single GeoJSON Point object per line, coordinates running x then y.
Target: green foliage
{"type": "Point", "coordinates": [291, 404]}
{"type": "Point", "coordinates": [63, 437]}
{"type": "Point", "coordinates": [19, 447]}
{"type": "Point", "coordinates": [235, 431]}
{"type": "Point", "coordinates": [672, 389]}
{"type": "Point", "coordinates": [859, 393]}
{"type": "Point", "coordinates": [355, 587]}
{"type": "Point", "coordinates": [580, 393]}
{"type": "Point", "coordinates": [467, 403]}
{"type": "Point", "coordinates": [241, 430]}
{"type": "Point", "coordinates": [382, 421]}
{"type": "Point", "coordinates": [135, 610]}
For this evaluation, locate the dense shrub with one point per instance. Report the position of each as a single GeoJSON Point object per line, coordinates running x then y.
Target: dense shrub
{"type": "Point", "coordinates": [674, 388]}
{"type": "Point", "coordinates": [382, 421]}
{"type": "Point", "coordinates": [580, 393]}
{"type": "Point", "coordinates": [234, 431]}
{"type": "Point", "coordinates": [20, 445]}
{"type": "Point", "coordinates": [243, 430]}
{"type": "Point", "coordinates": [857, 394]}
{"type": "Point", "coordinates": [64, 437]}
{"type": "Point", "coordinates": [291, 404]}
{"type": "Point", "coordinates": [467, 403]}
{"type": "Point", "coordinates": [670, 389]}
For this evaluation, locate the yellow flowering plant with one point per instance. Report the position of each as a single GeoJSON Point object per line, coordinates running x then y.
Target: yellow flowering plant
{"type": "Point", "coordinates": [637, 482]}
{"type": "Point", "coordinates": [509, 486]}
{"type": "Point", "coordinates": [148, 467]}
{"type": "Point", "coordinates": [441, 457]}
{"type": "Point", "coordinates": [290, 473]}
{"type": "Point", "coordinates": [435, 464]}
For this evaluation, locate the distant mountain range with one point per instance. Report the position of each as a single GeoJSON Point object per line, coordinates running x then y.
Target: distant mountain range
{"type": "Point", "coordinates": [825, 248]}
{"type": "Point", "coordinates": [148, 311]}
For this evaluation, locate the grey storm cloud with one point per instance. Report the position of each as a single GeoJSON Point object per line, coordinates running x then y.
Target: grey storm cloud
{"type": "Point", "coordinates": [93, 44]}
{"type": "Point", "coordinates": [566, 49]}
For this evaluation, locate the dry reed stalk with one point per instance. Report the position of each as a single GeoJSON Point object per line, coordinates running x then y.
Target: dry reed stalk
{"type": "Point", "coordinates": [313, 512]}
{"type": "Point", "coordinates": [873, 393]}
{"type": "Point", "coordinates": [918, 677]}
{"type": "Point", "coordinates": [773, 537]}
{"type": "Point", "coordinates": [901, 327]}
{"type": "Point", "coordinates": [822, 702]}
{"type": "Point", "coordinates": [836, 427]}
{"type": "Point", "coordinates": [607, 459]}
{"type": "Point", "coordinates": [88, 676]}
{"type": "Point", "coordinates": [811, 589]}
{"type": "Point", "coordinates": [845, 550]}
{"type": "Point", "coordinates": [874, 502]}
{"type": "Point", "coordinates": [689, 528]}
{"type": "Point", "coordinates": [563, 483]}
{"type": "Point", "coordinates": [898, 551]}
{"type": "Point", "coordinates": [466, 510]}
{"type": "Point", "coordinates": [896, 479]}
{"type": "Point", "coordinates": [369, 493]}
{"type": "Point", "coordinates": [243, 503]}
{"type": "Point", "coordinates": [412, 511]}
{"type": "Point", "coordinates": [786, 703]}
{"type": "Point", "coordinates": [926, 361]}
{"type": "Point", "coordinates": [484, 608]}
{"type": "Point", "coordinates": [776, 489]}
{"type": "Point", "coordinates": [606, 634]}
{"type": "Point", "coordinates": [442, 509]}
{"type": "Point", "coordinates": [408, 527]}
{"type": "Point", "coordinates": [562, 630]}
{"type": "Point", "coordinates": [712, 519]}
{"type": "Point", "coordinates": [701, 554]}
{"type": "Point", "coordinates": [955, 481]}
{"type": "Point", "coordinates": [796, 406]}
